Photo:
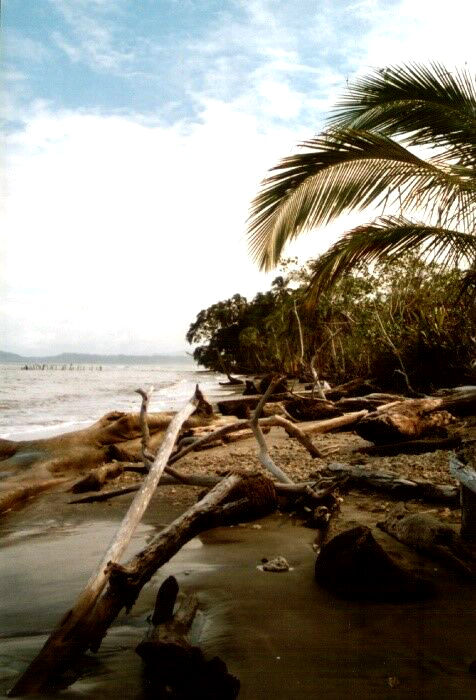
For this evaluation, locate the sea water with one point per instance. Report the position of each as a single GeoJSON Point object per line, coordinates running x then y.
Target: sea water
{"type": "Point", "coordinates": [38, 403]}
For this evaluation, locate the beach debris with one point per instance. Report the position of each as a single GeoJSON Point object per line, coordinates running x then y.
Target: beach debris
{"type": "Point", "coordinates": [276, 565]}
{"type": "Point", "coordinates": [413, 447]}
{"type": "Point", "coordinates": [173, 666]}
{"type": "Point", "coordinates": [72, 636]}
{"type": "Point", "coordinates": [355, 387]}
{"type": "Point", "coordinates": [405, 420]}
{"type": "Point", "coordinates": [242, 405]}
{"type": "Point", "coordinates": [115, 586]}
{"type": "Point", "coordinates": [348, 420]}
{"type": "Point", "coordinates": [383, 481]}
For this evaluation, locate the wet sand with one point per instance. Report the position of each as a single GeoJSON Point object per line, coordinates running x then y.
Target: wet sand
{"type": "Point", "coordinates": [281, 634]}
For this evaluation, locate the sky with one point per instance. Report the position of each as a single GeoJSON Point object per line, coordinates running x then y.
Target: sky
{"type": "Point", "coordinates": [136, 133]}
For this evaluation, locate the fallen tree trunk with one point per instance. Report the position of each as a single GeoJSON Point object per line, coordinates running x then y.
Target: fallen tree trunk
{"type": "Point", "coordinates": [411, 447]}
{"type": "Point", "coordinates": [264, 456]}
{"type": "Point", "coordinates": [243, 405]}
{"type": "Point", "coordinates": [405, 420]}
{"type": "Point", "coordinates": [368, 403]}
{"type": "Point", "coordinates": [87, 448]}
{"type": "Point", "coordinates": [23, 493]}
{"type": "Point", "coordinates": [287, 490]}
{"type": "Point", "coordinates": [460, 403]}
{"type": "Point", "coordinates": [126, 581]}
{"type": "Point", "coordinates": [85, 625]}
{"type": "Point", "coordinates": [62, 643]}
{"type": "Point", "coordinates": [307, 409]}
{"type": "Point", "coordinates": [327, 426]}
{"type": "Point", "coordinates": [394, 485]}
{"type": "Point", "coordinates": [96, 478]}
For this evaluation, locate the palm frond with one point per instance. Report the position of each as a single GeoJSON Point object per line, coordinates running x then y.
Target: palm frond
{"type": "Point", "coordinates": [429, 105]}
{"type": "Point", "coordinates": [390, 237]}
{"type": "Point", "coordinates": [468, 287]}
{"type": "Point", "coordinates": [349, 169]}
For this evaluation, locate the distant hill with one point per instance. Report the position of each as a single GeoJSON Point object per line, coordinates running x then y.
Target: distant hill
{"type": "Point", "coordinates": [77, 358]}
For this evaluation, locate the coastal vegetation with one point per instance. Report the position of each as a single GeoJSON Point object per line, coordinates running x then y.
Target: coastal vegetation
{"type": "Point", "coordinates": [397, 316]}
{"type": "Point", "coordinates": [389, 297]}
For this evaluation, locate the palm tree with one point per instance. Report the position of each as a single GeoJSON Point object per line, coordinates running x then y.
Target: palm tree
{"type": "Point", "coordinates": [373, 154]}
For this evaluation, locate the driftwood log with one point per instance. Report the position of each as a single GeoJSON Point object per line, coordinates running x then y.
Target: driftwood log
{"type": "Point", "coordinates": [411, 447]}
{"type": "Point", "coordinates": [349, 420]}
{"type": "Point", "coordinates": [392, 484]}
{"type": "Point", "coordinates": [370, 402]}
{"type": "Point", "coordinates": [85, 625]}
{"type": "Point", "coordinates": [242, 406]}
{"type": "Point", "coordinates": [62, 642]}
{"type": "Point", "coordinates": [355, 387]}
{"type": "Point", "coordinates": [307, 409]}
{"type": "Point", "coordinates": [287, 490]}
{"type": "Point", "coordinates": [126, 581]}
{"type": "Point", "coordinates": [97, 478]}
{"type": "Point", "coordinates": [174, 667]}
{"type": "Point", "coordinates": [405, 420]}
{"type": "Point", "coordinates": [35, 466]}
{"type": "Point", "coordinates": [264, 456]}
{"type": "Point", "coordinates": [460, 402]}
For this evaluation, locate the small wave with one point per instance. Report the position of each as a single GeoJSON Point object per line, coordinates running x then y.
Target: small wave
{"type": "Point", "coordinates": [46, 429]}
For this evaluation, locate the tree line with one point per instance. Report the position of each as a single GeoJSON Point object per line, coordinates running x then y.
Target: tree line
{"type": "Point", "coordinates": [400, 316]}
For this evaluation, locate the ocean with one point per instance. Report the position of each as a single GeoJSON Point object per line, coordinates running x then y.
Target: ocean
{"type": "Point", "coordinates": [38, 403]}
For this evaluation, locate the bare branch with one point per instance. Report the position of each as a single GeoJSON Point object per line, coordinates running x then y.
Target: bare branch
{"type": "Point", "coordinates": [264, 455]}
{"type": "Point", "coordinates": [147, 456]}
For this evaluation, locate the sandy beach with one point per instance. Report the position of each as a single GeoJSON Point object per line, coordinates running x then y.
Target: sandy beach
{"type": "Point", "coordinates": [281, 634]}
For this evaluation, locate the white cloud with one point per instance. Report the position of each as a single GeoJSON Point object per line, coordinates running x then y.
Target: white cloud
{"type": "Point", "coordinates": [120, 232]}
{"type": "Point", "coordinates": [419, 31]}
{"type": "Point", "coordinates": [121, 229]}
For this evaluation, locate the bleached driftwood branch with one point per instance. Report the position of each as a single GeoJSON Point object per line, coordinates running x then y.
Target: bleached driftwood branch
{"type": "Point", "coordinates": [147, 456]}
{"type": "Point", "coordinates": [264, 456]}
{"type": "Point", "coordinates": [63, 641]}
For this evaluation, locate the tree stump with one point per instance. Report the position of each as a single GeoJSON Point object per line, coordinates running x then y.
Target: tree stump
{"type": "Point", "coordinates": [174, 668]}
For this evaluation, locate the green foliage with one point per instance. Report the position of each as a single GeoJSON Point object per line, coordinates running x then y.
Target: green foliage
{"type": "Point", "coordinates": [405, 314]}
{"type": "Point", "coordinates": [364, 159]}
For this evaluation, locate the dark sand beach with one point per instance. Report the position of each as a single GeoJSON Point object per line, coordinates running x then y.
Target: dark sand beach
{"type": "Point", "coordinates": [281, 634]}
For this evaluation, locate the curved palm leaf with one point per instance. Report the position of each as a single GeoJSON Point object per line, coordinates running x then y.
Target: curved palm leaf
{"type": "Point", "coordinates": [350, 169]}
{"type": "Point", "coordinates": [427, 105]}
{"type": "Point", "coordinates": [389, 237]}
